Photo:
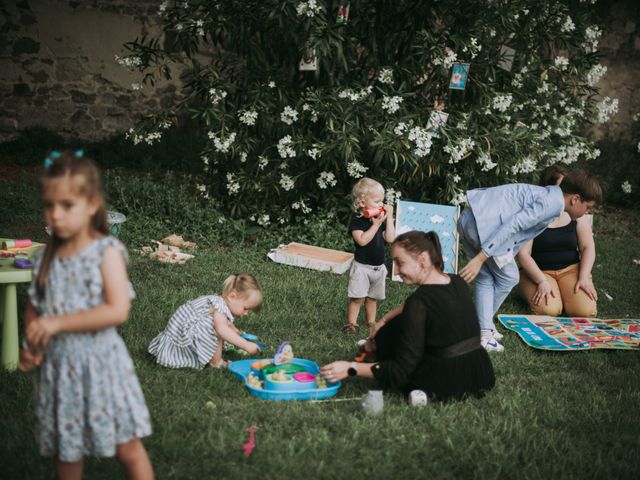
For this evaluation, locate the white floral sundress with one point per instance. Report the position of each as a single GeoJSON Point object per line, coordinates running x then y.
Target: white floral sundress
{"type": "Point", "coordinates": [88, 399]}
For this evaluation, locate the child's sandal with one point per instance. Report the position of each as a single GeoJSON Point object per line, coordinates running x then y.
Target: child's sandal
{"type": "Point", "coordinates": [349, 328]}
{"type": "Point", "coordinates": [220, 364]}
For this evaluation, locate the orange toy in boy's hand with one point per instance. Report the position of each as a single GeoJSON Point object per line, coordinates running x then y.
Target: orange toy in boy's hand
{"type": "Point", "coordinates": [372, 212]}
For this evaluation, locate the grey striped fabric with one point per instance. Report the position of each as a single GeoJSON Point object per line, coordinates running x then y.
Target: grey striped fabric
{"type": "Point", "coordinates": [190, 339]}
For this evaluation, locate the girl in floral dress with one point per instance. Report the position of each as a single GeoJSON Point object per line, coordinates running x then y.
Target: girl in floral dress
{"type": "Point", "coordinates": [87, 397]}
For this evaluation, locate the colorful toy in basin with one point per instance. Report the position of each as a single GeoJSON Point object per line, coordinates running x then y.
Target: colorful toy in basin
{"type": "Point", "coordinates": [299, 379]}
{"type": "Point", "coordinates": [284, 353]}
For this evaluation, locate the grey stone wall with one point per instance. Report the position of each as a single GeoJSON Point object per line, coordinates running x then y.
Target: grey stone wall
{"type": "Point", "coordinates": [58, 70]}
{"type": "Point", "coordinates": [620, 49]}
{"type": "Point", "coordinates": [57, 66]}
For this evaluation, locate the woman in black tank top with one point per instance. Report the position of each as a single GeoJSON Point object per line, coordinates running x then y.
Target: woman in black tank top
{"type": "Point", "coordinates": [556, 265]}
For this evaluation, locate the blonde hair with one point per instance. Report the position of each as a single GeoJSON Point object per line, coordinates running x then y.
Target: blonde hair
{"type": "Point", "coordinates": [362, 189]}
{"type": "Point", "coordinates": [243, 284]}
{"type": "Point", "coordinates": [84, 174]}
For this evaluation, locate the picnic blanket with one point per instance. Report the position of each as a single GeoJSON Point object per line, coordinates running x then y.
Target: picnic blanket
{"type": "Point", "coordinates": [566, 333]}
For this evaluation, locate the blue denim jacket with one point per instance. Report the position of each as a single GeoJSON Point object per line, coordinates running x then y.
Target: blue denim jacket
{"type": "Point", "coordinates": [509, 215]}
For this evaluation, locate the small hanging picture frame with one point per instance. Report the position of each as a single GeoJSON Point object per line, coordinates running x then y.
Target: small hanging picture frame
{"type": "Point", "coordinates": [343, 14]}
{"type": "Point", "coordinates": [459, 76]}
{"type": "Point", "coordinates": [507, 54]}
{"type": "Point", "coordinates": [309, 61]}
{"type": "Point", "coordinates": [437, 120]}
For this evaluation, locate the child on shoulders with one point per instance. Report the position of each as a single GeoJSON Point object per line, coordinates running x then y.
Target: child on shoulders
{"type": "Point", "coordinates": [196, 332]}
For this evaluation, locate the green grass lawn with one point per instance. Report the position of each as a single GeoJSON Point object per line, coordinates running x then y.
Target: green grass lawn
{"type": "Point", "coordinates": [551, 415]}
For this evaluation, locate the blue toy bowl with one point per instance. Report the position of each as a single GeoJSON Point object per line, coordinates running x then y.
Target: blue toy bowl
{"type": "Point", "coordinates": [297, 390]}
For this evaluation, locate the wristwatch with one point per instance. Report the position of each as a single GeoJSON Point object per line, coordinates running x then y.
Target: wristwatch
{"type": "Point", "coordinates": [353, 369]}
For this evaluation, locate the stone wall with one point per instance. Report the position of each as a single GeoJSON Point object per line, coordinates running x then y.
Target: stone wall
{"type": "Point", "coordinates": [620, 49]}
{"type": "Point", "coordinates": [58, 70]}
{"type": "Point", "coordinates": [57, 66]}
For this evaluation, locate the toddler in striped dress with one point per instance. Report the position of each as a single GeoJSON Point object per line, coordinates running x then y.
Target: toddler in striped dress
{"type": "Point", "coordinates": [197, 331]}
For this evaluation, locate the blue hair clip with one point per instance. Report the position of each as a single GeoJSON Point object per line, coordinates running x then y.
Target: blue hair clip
{"type": "Point", "coordinates": [49, 160]}
{"type": "Point", "coordinates": [55, 154]}
{"type": "Point", "coordinates": [79, 153]}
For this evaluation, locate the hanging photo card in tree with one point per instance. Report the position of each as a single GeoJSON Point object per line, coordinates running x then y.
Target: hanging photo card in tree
{"type": "Point", "coordinates": [507, 54]}
{"type": "Point", "coordinates": [425, 217]}
{"type": "Point", "coordinates": [459, 76]}
{"type": "Point", "coordinates": [309, 62]}
{"type": "Point", "coordinates": [437, 120]}
{"type": "Point", "coordinates": [343, 14]}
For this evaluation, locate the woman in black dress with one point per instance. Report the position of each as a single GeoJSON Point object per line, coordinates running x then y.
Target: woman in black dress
{"type": "Point", "coordinates": [432, 342]}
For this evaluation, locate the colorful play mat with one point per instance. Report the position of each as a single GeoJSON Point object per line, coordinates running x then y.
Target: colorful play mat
{"type": "Point", "coordinates": [564, 333]}
{"type": "Point", "coordinates": [297, 379]}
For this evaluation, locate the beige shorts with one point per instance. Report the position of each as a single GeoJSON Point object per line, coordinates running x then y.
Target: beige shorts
{"type": "Point", "coordinates": [367, 281]}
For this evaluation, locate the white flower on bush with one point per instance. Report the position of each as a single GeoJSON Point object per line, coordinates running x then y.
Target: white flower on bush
{"type": "Point", "coordinates": [286, 182]}
{"type": "Point", "coordinates": [517, 80]}
{"type": "Point", "coordinates": [163, 6]}
{"type": "Point", "coordinates": [233, 185]}
{"type": "Point", "coordinates": [422, 140]}
{"type": "Point", "coordinates": [284, 147]}
{"type": "Point", "coordinates": [216, 95]}
{"type": "Point", "coordinates": [179, 26]}
{"type": "Point", "coordinates": [502, 102]}
{"type": "Point", "coordinates": [626, 187]}
{"type": "Point", "coordinates": [355, 96]}
{"type": "Point", "coordinates": [456, 178]}
{"type": "Point", "coordinates": [448, 60]}
{"type": "Point", "coordinates": [386, 76]}
{"type": "Point", "coordinates": [289, 115]}
{"type": "Point", "coordinates": [355, 169]}
{"type": "Point", "coordinates": [313, 153]}
{"type": "Point", "coordinates": [248, 117]}
{"type": "Point", "coordinates": [136, 86]}
{"type": "Point", "coordinates": [485, 162]}
{"type": "Point", "coordinates": [456, 152]}
{"type": "Point", "coordinates": [271, 84]}
{"type": "Point", "coordinates": [636, 117]}
{"type": "Point", "coordinates": [473, 48]}
{"type": "Point", "coordinates": [263, 220]}
{"type": "Point", "coordinates": [544, 87]}
{"type": "Point", "coordinates": [220, 145]}
{"type": "Point", "coordinates": [458, 198]}
{"type": "Point", "coordinates": [300, 205]}
{"type": "Point", "coordinates": [400, 128]}
{"type": "Point", "coordinates": [391, 104]}
{"type": "Point", "coordinates": [262, 162]}
{"type": "Point", "coordinates": [595, 74]}
{"type": "Point", "coordinates": [568, 25]}
{"type": "Point", "coordinates": [561, 62]}
{"type": "Point", "coordinates": [391, 196]}
{"type": "Point", "coordinates": [526, 165]}
{"type": "Point", "coordinates": [606, 109]}
{"type": "Point", "coordinates": [568, 154]}
{"type": "Point", "coordinates": [638, 146]}
{"type": "Point", "coordinates": [243, 157]}
{"type": "Point", "coordinates": [326, 180]}
{"type": "Point", "coordinates": [309, 8]}
{"type": "Point", "coordinates": [592, 37]}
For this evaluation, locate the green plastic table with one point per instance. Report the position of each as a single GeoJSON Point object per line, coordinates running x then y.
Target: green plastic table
{"type": "Point", "coordinates": [9, 277]}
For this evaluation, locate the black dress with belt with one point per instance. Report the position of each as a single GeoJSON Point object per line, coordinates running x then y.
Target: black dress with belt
{"type": "Point", "coordinates": [434, 345]}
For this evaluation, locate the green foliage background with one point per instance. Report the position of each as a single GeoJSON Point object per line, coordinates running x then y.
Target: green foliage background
{"type": "Point", "coordinates": [242, 56]}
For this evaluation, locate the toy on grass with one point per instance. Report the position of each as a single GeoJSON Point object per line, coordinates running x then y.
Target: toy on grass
{"type": "Point", "coordinates": [248, 447]}
{"type": "Point", "coordinates": [284, 354]}
{"type": "Point", "coordinates": [299, 379]}
{"type": "Point", "coordinates": [252, 338]}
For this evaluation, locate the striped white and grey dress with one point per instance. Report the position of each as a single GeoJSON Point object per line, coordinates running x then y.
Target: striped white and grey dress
{"type": "Point", "coordinates": [190, 339]}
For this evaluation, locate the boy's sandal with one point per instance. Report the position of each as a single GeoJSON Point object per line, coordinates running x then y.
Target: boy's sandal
{"type": "Point", "coordinates": [349, 328]}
